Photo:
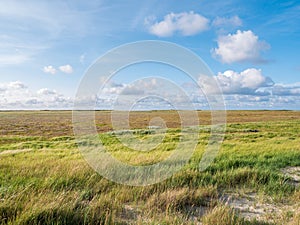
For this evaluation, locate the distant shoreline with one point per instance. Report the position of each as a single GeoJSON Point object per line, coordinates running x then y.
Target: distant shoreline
{"type": "Point", "coordinates": [155, 110]}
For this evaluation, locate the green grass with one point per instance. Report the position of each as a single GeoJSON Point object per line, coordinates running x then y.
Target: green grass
{"type": "Point", "coordinates": [53, 184]}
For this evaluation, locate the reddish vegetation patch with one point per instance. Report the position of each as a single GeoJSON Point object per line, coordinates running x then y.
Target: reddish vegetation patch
{"type": "Point", "coordinates": [59, 123]}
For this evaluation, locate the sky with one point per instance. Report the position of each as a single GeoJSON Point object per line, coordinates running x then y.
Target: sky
{"type": "Point", "coordinates": [252, 48]}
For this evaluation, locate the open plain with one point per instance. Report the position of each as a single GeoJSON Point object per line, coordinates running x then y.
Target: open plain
{"type": "Point", "coordinates": [44, 179]}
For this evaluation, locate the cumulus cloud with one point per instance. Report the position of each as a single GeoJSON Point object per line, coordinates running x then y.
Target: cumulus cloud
{"type": "Point", "coordinates": [49, 69]}
{"type": "Point", "coordinates": [284, 89]}
{"type": "Point", "coordinates": [46, 91]}
{"type": "Point", "coordinates": [240, 47]}
{"type": "Point", "coordinates": [138, 87]}
{"type": "Point", "coordinates": [248, 81]}
{"type": "Point", "coordinates": [66, 69]}
{"type": "Point", "coordinates": [144, 92]}
{"type": "Point", "coordinates": [234, 21]}
{"type": "Point", "coordinates": [52, 70]}
{"type": "Point", "coordinates": [186, 23]}
{"type": "Point", "coordinates": [262, 102]}
{"type": "Point", "coordinates": [16, 95]}
{"type": "Point", "coordinates": [16, 85]}
{"type": "Point", "coordinates": [250, 89]}
{"type": "Point", "coordinates": [246, 89]}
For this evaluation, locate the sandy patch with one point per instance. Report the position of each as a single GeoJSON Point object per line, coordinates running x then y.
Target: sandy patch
{"type": "Point", "coordinates": [10, 152]}
{"type": "Point", "coordinates": [293, 173]}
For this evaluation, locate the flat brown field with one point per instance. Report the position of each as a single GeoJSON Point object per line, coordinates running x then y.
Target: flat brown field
{"type": "Point", "coordinates": [59, 123]}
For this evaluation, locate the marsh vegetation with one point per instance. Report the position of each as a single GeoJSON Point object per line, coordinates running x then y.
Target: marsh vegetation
{"type": "Point", "coordinates": [45, 179]}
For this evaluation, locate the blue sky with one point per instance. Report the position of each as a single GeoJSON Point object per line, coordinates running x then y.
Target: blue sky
{"type": "Point", "coordinates": [252, 46]}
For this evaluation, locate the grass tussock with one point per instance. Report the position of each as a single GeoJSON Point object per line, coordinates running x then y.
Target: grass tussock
{"type": "Point", "coordinates": [180, 199]}
{"type": "Point", "coordinates": [222, 215]}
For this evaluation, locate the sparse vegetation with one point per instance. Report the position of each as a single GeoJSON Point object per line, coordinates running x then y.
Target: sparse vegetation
{"type": "Point", "coordinates": [51, 183]}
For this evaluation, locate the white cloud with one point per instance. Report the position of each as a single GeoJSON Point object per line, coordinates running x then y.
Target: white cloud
{"type": "Point", "coordinates": [144, 93]}
{"type": "Point", "coordinates": [262, 102]}
{"type": "Point", "coordinates": [16, 95]}
{"type": "Point", "coordinates": [249, 78]}
{"type": "Point", "coordinates": [240, 91]}
{"type": "Point", "coordinates": [49, 69]}
{"type": "Point", "coordinates": [284, 89]}
{"type": "Point", "coordinates": [12, 87]}
{"type": "Point", "coordinates": [240, 47]}
{"type": "Point", "coordinates": [250, 89]}
{"type": "Point", "coordinates": [234, 21]}
{"type": "Point", "coordinates": [46, 91]}
{"type": "Point", "coordinates": [231, 82]}
{"type": "Point", "coordinates": [186, 23]}
{"type": "Point", "coordinates": [66, 69]}
{"type": "Point", "coordinates": [52, 70]}
{"type": "Point", "coordinates": [16, 85]}
{"type": "Point", "coordinates": [138, 87]}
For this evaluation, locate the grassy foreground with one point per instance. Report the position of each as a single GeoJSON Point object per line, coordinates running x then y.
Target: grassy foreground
{"type": "Point", "coordinates": [45, 180]}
